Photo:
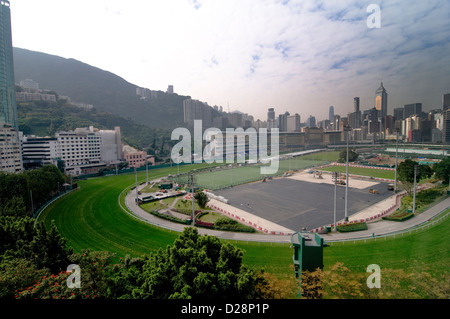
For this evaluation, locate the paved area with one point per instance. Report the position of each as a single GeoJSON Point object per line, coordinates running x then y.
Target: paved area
{"type": "Point", "coordinates": [297, 204]}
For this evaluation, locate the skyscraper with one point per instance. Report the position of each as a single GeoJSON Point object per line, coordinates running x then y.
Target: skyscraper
{"type": "Point", "coordinates": [271, 122]}
{"type": "Point", "coordinates": [381, 101]}
{"type": "Point", "coordinates": [331, 114]}
{"type": "Point", "coordinates": [8, 108]}
{"type": "Point", "coordinates": [446, 101]}
{"type": "Point", "coordinates": [412, 109]}
{"type": "Point", "coordinates": [10, 153]}
{"type": "Point", "coordinates": [356, 104]}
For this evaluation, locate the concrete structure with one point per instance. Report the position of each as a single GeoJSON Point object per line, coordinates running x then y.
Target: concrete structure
{"type": "Point", "coordinates": [197, 110]}
{"type": "Point", "coordinates": [29, 84]}
{"type": "Point", "coordinates": [293, 123]}
{"type": "Point", "coordinates": [138, 158]}
{"type": "Point", "coordinates": [381, 103]}
{"type": "Point", "coordinates": [412, 109]}
{"type": "Point", "coordinates": [111, 145]}
{"type": "Point", "coordinates": [445, 101]}
{"type": "Point", "coordinates": [10, 152]}
{"type": "Point", "coordinates": [84, 148]}
{"type": "Point", "coordinates": [331, 114]}
{"type": "Point", "coordinates": [34, 96]}
{"type": "Point", "coordinates": [39, 151]}
{"type": "Point", "coordinates": [8, 108]}
{"type": "Point", "coordinates": [446, 126]}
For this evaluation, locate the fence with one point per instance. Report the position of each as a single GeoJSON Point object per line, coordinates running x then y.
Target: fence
{"type": "Point", "coordinates": [428, 224]}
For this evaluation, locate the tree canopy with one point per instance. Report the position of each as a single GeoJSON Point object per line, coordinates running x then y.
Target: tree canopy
{"type": "Point", "coordinates": [442, 170]}
{"type": "Point", "coordinates": [197, 267]}
{"type": "Point", "coordinates": [405, 171]}
{"type": "Point", "coordinates": [352, 156]}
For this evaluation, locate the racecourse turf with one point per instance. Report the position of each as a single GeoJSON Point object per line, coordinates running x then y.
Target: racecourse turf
{"type": "Point", "coordinates": [91, 218]}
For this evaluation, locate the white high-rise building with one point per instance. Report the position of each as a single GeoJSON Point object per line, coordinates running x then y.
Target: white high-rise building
{"type": "Point", "coordinates": [85, 147]}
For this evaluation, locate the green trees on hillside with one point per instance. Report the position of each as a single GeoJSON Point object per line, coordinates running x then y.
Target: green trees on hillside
{"type": "Point", "coordinates": [21, 192]}
{"type": "Point", "coordinates": [44, 118]}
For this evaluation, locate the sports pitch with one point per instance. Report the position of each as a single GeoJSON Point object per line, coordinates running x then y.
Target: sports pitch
{"type": "Point", "coordinates": [222, 177]}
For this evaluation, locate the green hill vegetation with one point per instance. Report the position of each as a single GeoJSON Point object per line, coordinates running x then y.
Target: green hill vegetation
{"type": "Point", "coordinates": [44, 118]}
{"type": "Point", "coordinates": [105, 90]}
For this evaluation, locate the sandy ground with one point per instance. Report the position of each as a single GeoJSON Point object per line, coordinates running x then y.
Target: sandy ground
{"type": "Point", "coordinates": [327, 179]}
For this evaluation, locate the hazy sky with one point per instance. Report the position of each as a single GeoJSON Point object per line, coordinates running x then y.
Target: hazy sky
{"type": "Point", "coordinates": [297, 56]}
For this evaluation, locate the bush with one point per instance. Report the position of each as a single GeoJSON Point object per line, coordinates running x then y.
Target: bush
{"type": "Point", "coordinates": [352, 227]}
{"type": "Point", "coordinates": [225, 222]}
{"type": "Point", "coordinates": [172, 219]}
{"type": "Point", "coordinates": [399, 216]}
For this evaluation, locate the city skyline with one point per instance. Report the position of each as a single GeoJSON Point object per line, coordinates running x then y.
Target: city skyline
{"type": "Point", "coordinates": [296, 56]}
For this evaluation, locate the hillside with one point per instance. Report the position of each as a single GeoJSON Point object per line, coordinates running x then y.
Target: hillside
{"type": "Point", "coordinates": [44, 118]}
{"type": "Point", "coordinates": [105, 90]}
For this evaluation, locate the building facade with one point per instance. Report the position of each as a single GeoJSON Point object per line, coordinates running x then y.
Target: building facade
{"type": "Point", "coordinates": [8, 109]}
{"type": "Point", "coordinates": [197, 110]}
{"type": "Point", "coordinates": [381, 103]}
{"type": "Point", "coordinates": [10, 152]}
{"type": "Point", "coordinates": [39, 151]}
{"type": "Point", "coordinates": [86, 149]}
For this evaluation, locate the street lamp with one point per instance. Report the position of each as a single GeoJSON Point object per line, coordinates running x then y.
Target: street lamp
{"type": "Point", "coordinates": [191, 177]}
{"type": "Point", "coordinates": [414, 197]}
{"type": "Point", "coordinates": [396, 159]}
{"type": "Point", "coordinates": [135, 177]}
{"type": "Point", "coordinates": [347, 129]}
{"type": "Point", "coordinates": [146, 166]}
{"type": "Point", "coordinates": [335, 178]}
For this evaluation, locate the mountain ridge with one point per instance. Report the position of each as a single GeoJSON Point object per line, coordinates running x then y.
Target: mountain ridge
{"type": "Point", "coordinates": [105, 90]}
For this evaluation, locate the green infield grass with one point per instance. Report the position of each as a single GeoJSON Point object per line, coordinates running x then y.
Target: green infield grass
{"type": "Point", "coordinates": [362, 171]}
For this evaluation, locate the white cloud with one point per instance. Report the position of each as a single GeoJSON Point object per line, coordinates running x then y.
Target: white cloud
{"type": "Point", "coordinates": [300, 56]}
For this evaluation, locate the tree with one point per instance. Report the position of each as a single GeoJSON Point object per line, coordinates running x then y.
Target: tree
{"type": "Point", "coordinates": [352, 156]}
{"type": "Point", "coordinates": [202, 199]}
{"type": "Point", "coordinates": [405, 172]}
{"type": "Point", "coordinates": [442, 170]}
{"type": "Point", "coordinates": [196, 267]}
{"type": "Point", "coordinates": [48, 248]}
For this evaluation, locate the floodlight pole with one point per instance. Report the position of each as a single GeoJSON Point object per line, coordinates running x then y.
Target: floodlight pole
{"type": "Point", "coordinates": [335, 175]}
{"type": "Point", "coordinates": [135, 178]}
{"type": "Point", "coordinates": [146, 167]}
{"type": "Point", "coordinates": [396, 160]}
{"type": "Point", "coordinates": [347, 128]}
{"type": "Point", "coordinates": [231, 175]}
{"type": "Point", "coordinates": [414, 197]}
{"type": "Point", "coordinates": [193, 199]}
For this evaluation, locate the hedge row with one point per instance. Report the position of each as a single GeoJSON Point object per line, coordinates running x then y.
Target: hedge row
{"type": "Point", "coordinates": [171, 218]}
{"type": "Point", "coordinates": [352, 227]}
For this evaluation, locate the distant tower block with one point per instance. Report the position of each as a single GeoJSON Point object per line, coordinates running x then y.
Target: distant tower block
{"type": "Point", "coordinates": [170, 89]}
{"type": "Point", "coordinates": [381, 101]}
{"type": "Point", "coordinates": [8, 108]}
